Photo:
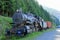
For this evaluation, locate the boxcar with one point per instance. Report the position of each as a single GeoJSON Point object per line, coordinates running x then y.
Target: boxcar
{"type": "Point", "coordinates": [49, 24]}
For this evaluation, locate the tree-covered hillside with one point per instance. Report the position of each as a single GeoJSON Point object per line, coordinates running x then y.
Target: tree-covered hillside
{"type": "Point", "coordinates": [8, 7]}
{"type": "Point", "coordinates": [55, 20]}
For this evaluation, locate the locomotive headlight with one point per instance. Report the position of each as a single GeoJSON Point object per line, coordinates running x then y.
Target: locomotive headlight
{"type": "Point", "coordinates": [19, 32]}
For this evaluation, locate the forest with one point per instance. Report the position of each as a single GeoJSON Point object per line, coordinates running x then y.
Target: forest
{"type": "Point", "coordinates": [8, 8]}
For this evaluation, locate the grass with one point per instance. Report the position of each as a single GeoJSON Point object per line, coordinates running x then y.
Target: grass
{"type": "Point", "coordinates": [30, 36]}
{"type": "Point", "coordinates": [4, 23]}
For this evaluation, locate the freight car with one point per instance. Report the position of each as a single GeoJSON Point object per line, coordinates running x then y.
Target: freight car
{"type": "Point", "coordinates": [44, 25]}
{"type": "Point", "coordinates": [49, 24]}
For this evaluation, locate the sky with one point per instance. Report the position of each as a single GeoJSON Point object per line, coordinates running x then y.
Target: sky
{"type": "Point", "coordinates": [55, 4]}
